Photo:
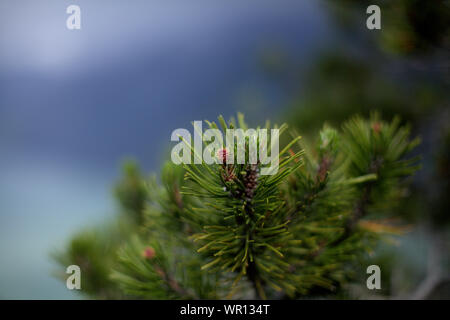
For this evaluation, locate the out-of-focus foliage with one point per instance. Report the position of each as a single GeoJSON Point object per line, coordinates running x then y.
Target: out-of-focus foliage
{"type": "Point", "coordinates": [339, 85]}
{"type": "Point", "coordinates": [94, 249]}
{"type": "Point", "coordinates": [131, 192]}
{"type": "Point", "coordinates": [409, 27]}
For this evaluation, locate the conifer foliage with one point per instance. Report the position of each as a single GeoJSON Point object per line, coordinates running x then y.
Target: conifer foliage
{"type": "Point", "coordinates": [225, 231]}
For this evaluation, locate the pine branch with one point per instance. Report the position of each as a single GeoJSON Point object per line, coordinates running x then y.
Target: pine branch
{"type": "Point", "coordinates": [223, 230]}
{"type": "Point", "coordinates": [359, 212]}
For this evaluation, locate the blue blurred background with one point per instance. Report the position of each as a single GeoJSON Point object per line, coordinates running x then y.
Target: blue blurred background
{"type": "Point", "coordinates": [73, 104]}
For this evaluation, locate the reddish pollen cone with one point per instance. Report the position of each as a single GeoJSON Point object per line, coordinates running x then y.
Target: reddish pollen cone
{"type": "Point", "coordinates": [222, 155]}
{"type": "Point", "coordinates": [376, 127]}
{"type": "Point", "coordinates": [149, 253]}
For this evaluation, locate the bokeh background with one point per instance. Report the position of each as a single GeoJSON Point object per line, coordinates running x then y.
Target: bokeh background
{"type": "Point", "coordinates": [74, 104]}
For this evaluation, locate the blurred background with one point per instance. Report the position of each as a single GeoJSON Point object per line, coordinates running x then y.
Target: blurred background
{"type": "Point", "coordinates": [75, 103]}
